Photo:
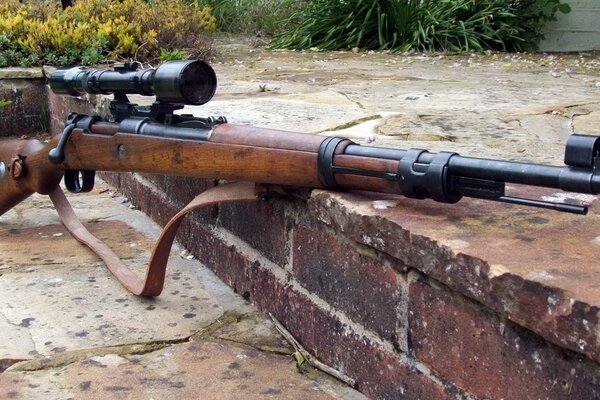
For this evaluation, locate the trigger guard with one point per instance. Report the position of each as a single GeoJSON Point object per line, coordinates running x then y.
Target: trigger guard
{"type": "Point", "coordinates": [76, 185]}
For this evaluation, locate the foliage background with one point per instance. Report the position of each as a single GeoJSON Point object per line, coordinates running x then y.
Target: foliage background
{"type": "Point", "coordinates": [448, 25]}
{"type": "Point", "coordinates": [263, 17]}
{"type": "Point", "coordinates": [36, 32]}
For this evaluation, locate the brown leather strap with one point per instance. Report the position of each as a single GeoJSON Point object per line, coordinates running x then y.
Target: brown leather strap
{"type": "Point", "coordinates": [153, 283]}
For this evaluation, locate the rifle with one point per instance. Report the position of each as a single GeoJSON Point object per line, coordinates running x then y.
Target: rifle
{"type": "Point", "coordinates": [153, 139]}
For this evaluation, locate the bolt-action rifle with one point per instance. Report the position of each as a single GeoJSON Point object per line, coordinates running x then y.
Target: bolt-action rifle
{"type": "Point", "coordinates": [154, 139]}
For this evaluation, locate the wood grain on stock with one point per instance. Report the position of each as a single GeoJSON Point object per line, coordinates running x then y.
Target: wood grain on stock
{"type": "Point", "coordinates": [229, 133]}
{"type": "Point", "coordinates": [252, 136]}
{"type": "Point", "coordinates": [192, 158]}
{"type": "Point", "coordinates": [232, 153]}
{"type": "Point", "coordinates": [38, 173]}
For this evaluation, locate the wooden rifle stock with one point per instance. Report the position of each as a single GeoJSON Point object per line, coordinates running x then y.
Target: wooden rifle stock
{"type": "Point", "coordinates": [250, 154]}
{"type": "Point", "coordinates": [26, 170]}
{"type": "Point", "coordinates": [253, 158]}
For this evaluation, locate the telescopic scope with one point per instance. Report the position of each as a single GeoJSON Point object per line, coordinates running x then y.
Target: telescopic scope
{"type": "Point", "coordinates": [190, 82]}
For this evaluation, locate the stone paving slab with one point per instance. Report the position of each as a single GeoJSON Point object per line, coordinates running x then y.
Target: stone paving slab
{"type": "Point", "coordinates": [196, 370]}
{"type": "Point", "coordinates": [69, 330]}
{"type": "Point", "coordinates": [517, 106]}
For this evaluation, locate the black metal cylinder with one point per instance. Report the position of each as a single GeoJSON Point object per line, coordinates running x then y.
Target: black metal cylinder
{"type": "Point", "coordinates": [149, 127]}
{"type": "Point", "coordinates": [568, 178]}
{"type": "Point", "coordinates": [182, 82]}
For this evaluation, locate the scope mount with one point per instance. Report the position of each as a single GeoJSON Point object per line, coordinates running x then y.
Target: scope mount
{"type": "Point", "coordinates": [120, 107]}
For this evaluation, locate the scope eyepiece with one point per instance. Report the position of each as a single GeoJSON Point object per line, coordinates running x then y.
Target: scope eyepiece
{"type": "Point", "coordinates": [190, 82]}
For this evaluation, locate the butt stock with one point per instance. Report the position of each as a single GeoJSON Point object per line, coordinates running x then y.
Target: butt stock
{"type": "Point", "coordinates": [24, 170]}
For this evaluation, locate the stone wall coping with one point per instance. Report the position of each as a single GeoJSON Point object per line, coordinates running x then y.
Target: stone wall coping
{"type": "Point", "coordinates": [21, 73]}
{"type": "Point", "coordinates": [535, 267]}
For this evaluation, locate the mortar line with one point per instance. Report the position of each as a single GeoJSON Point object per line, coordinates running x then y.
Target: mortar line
{"type": "Point", "coordinates": [359, 330]}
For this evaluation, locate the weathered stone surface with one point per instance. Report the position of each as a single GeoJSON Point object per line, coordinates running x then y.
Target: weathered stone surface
{"type": "Point", "coordinates": [499, 131]}
{"type": "Point", "coordinates": [497, 358]}
{"type": "Point", "coordinates": [59, 297]}
{"type": "Point", "coordinates": [68, 330]}
{"type": "Point", "coordinates": [588, 124]}
{"type": "Point", "coordinates": [21, 73]}
{"type": "Point", "coordinates": [22, 248]}
{"type": "Point", "coordinates": [64, 302]}
{"type": "Point", "coordinates": [502, 106]}
{"type": "Point", "coordinates": [276, 110]}
{"type": "Point", "coordinates": [199, 369]}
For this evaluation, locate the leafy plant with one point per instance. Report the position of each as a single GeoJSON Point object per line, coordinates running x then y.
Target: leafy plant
{"type": "Point", "coordinates": [174, 54]}
{"type": "Point", "coordinates": [252, 16]}
{"type": "Point", "coordinates": [4, 103]}
{"type": "Point", "coordinates": [34, 32]}
{"type": "Point", "coordinates": [451, 25]}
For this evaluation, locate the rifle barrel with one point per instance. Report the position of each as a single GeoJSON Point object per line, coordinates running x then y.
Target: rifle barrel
{"type": "Point", "coordinates": [565, 178]}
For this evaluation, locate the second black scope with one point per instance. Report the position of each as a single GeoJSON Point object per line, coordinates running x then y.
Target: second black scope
{"type": "Point", "coordinates": [190, 82]}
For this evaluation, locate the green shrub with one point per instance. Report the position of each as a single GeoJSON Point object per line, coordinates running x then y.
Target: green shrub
{"type": "Point", "coordinates": [35, 32]}
{"type": "Point", "coordinates": [450, 25]}
{"type": "Point", "coordinates": [252, 16]}
{"type": "Point", "coordinates": [175, 54]}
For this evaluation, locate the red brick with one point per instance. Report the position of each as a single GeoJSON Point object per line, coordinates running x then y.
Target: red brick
{"type": "Point", "coordinates": [59, 107]}
{"type": "Point", "coordinates": [488, 357]}
{"type": "Point", "coordinates": [157, 207]}
{"type": "Point", "coordinates": [261, 224]}
{"type": "Point", "coordinates": [230, 265]}
{"type": "Point", "coordinates": [360, 286]}
{"type": "Point", "coordinates": [407, 233]}
{"type": "Point", "coordinates": [378, 373]}
{"type": "Point", "coordinates": [179, 189]}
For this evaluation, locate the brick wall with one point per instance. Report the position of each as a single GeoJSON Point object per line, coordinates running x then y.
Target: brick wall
{"type": "Point", "coordinates": [374, 301]}
{"type": "Point", "coordinates": [27, 111]}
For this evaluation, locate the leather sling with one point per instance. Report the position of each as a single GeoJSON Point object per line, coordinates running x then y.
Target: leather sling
{"type": "Point", "coordinates": [153, 282]}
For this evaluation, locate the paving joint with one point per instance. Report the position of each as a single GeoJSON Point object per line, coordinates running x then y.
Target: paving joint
{"type": "Point", "coordinates": [352, 123]}
{"type": "Point", "coordinates": [350, 99]}
{"type": "Point", "coordinates": [208, 333]}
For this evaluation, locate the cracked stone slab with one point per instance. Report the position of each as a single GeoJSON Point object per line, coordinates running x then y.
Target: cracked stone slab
{"type": "Point", "coordinates": [16, 343]}
{"type": "Point", "coordinates": [58, 297]}
{"type": "Point", "coordinates": [198, 369]}
{"type": "Point", "coordinates": [74, 305]}
{"type": "Point", "coordinates": [254, 330]}
{"type": "Point", "coordinates": [523, 104]}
